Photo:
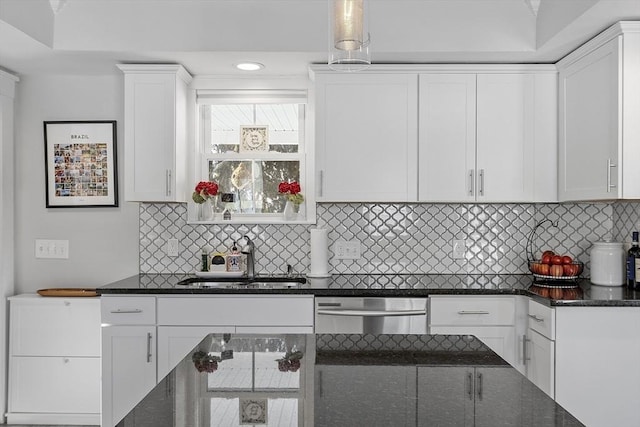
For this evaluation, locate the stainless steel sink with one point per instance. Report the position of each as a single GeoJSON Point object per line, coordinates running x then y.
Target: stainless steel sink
{"type": "Point", "coordinates": [272, 282]}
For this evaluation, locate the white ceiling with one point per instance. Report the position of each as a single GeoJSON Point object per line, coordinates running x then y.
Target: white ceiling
{"type": "Point", "coordinates": [209, 36]}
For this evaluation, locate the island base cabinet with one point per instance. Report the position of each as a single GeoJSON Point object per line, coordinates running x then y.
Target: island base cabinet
{"type": "Point", "coordinates": [472, 396]}
{"type": "Point", "coordinates": [597, 369]}
{"type": "Point", "coordinates": [128, 369]}
{"type": "Point", "coordinates": [363, 396]}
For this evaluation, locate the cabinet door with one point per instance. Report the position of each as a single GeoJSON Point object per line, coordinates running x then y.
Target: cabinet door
{"type": "Point", "coordinates": [365, 396]}
{"type": "Point", "coordinates": [447, 132]}
{"type": "Point", "coordinates": [155, 134]}
{"type": "Point", "coordinates": [128, 369]}
{"type": "Point", "coordinates": [175, 341]}
{"type": "Point", "coordinates": [589, 125]}
{"type": "Point", "coordinates": [445, 396]}
{"type": "Point", "coordinates": [55, 385]}
{"type": "Point", "coordinates": [367, 137]}
{"type": "Point", "coordinates": [541, 362]}
{"type": "Point", "coordinates": [497, 389]}
{"type": "Point", "coordinates": [55, 327]}
{"type": "Point", "coordinates": [504, 137]}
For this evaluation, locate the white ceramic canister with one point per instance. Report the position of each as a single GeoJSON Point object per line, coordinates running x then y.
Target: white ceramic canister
{"type": "Point", "coordinates": [607, 264]}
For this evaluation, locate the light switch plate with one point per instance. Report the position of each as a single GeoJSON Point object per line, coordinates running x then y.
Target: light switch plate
{"type": "Point", "coordinates": [57, 249]}
{"type": "Point", "coordinates": [347, 250]}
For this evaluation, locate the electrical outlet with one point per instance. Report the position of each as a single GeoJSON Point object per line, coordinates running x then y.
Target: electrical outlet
{"type": "Point", "coordinates": [58, 249]}
{"type": "Point", "coordinates": [459, 249]}
{"type": "Point", "coordinates": [172, 247]}
{"type": "Point", "coordinates": [347, 250]}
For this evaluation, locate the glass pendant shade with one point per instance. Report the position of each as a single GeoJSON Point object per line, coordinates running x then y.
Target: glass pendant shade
{"type": "Point", "coordinates": [349, 35]}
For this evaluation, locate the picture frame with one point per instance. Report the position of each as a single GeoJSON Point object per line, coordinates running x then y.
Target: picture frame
{"type": "Point", "coordinates": [254, 138]}
{"type": "Point", "coordinates": [80, 164]}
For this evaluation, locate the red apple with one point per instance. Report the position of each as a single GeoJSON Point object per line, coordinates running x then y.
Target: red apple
{"type": "Point", "coordinates": [548, 253]}
{"type": "Point", "coordinates": [543, 269]}
{"type": "Point", "coordinates": [567, 259]}
{"type": "Point", "coordinates": [556, 260]}
{"type": "Point", "coordinates": [546, 259]}
{"type": "Point", "coordinates": [556, 270]}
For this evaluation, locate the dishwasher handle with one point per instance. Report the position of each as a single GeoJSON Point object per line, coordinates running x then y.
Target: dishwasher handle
{"type": "Point", "coordinates": [371, 313]}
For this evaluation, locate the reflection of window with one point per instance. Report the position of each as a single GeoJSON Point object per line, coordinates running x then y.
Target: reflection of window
{"type": "Point", "coordinates": [249, 369]}
{"type": "Point", "coordinates": [253, 174]}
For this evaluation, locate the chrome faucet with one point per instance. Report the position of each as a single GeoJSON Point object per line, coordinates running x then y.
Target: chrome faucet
{"type": "Point", "coordinates": [250, 251]}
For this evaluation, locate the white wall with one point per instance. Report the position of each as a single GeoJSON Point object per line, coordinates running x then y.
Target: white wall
{"type": "Point", "coordinates": [103, 242]}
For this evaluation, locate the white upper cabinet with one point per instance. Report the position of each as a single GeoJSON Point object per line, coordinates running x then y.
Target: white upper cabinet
{"type": "Point", "coordinates": [155, 115]}
{"type": "Point", "coordinates": [599, 93]}
{"type": "Point", "coordinates": [488, 137]}
{"type": "Point", "coordinates": [366, 129]}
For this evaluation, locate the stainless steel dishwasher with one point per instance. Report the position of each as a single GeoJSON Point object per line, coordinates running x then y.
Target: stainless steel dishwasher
{"type": "Point", "coordinates": [371, 315]}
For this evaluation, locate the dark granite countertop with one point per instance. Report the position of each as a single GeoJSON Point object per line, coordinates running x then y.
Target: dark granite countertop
{"type": "Point", "coordinates": [378, 285]}
{"type": "Point", "coordinates": [346, 380]}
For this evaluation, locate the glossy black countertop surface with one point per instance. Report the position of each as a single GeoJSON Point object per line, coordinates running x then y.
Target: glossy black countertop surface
{"type": "Point", "coordinates": [345, 380]}
{"type": "Point", "coordinates": [376, 285]}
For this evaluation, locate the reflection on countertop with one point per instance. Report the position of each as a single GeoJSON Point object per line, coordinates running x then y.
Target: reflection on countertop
{"type": "Point", "coordinates": [345, 380]}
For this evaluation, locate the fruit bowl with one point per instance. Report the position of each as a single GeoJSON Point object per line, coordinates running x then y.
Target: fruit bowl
{"type": "Point", "coordinates": [565, 271]}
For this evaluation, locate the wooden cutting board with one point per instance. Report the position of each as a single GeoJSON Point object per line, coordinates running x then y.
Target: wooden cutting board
{"type": "Point", "coordinates": [67, 292]}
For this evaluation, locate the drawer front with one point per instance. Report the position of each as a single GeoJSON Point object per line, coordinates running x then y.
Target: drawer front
{"type": "Point", "coordinates": [472, 311]}
{"type": "Point", "coordinates": [54, 385]}
{"type": "Point", "coordinates": [129, 310]}
{"type": "Point", "coordinates": [55, 327]}
{"type": "Point", "coordinates": [542, 319]}
{"type": "Point", "coordinates": [236, 311]}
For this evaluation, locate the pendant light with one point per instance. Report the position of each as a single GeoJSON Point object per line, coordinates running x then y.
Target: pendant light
{"type": "Point", "coordinates": [349, 35]}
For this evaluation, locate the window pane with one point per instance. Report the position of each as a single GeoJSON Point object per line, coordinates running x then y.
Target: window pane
{"type": "Point", "coordinates": [225, 120]}
{"type": "Point", "coordinates": [254, 182]}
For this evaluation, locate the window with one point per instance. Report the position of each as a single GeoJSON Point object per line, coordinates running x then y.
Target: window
{"type": "Point", "coordinates": [273, 125]}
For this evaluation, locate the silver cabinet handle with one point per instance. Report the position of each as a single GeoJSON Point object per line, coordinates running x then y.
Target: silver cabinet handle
{"type": "Point", "coordinates": [320, 388]}
{"type": "Point", "coordinates": [479, 386]}
{"type": "Point", "coordinates": [471, 173]}
{"type": "Point", "coordinates": [463, 312]}
{"type": "Point", "coordinates": [536, 318]}
{"type": "Point", "coordinates": [470, 385]}
{"type": "Point", "coordinates": [126, 311]}
{"type": "Point", "coordinates": [321, 189]}
{"type": "Point", "coordinates": [372, 313]}
{"type": "Point", "coordinates": [610, 165]}
{"type": "Point", "coordinates": [168, 176]}
{"type": "Point", "coordinates": [481, 190]}
{"type": "Point", "coordinates": [149, 337]}
{"type": "Point", "coordinates": [525, 356]}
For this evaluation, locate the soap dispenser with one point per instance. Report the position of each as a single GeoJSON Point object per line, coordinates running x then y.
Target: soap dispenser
{"type": "Point", "coordinates": [234, 259]}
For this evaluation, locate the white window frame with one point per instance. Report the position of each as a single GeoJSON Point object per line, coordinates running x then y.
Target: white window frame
{"type": "Point", "coordinates": [250, 91]}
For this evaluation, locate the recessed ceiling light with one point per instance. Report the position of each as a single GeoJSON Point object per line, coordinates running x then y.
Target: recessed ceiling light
{"type": "Point", "coordinates": [249, 66]}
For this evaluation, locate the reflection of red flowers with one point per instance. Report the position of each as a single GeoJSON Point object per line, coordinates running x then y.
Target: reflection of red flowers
{"type": "Point", "coordinates": [204, 362]}
{"type": "Point", "coordinates": [289, 187]}
{"type": "Point", "coordinates": [290, 362]}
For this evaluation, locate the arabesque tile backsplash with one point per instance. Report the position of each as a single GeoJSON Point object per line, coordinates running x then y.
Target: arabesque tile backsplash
{"type": "Point", "coordinates": [396, 238]}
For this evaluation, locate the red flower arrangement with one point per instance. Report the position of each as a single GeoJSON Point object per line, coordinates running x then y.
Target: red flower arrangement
{"type": "Point", "coordinates": [290, 362]}
{"type": "Point", "coordinates": [292, 191]}
{"type": "Point", "coordinates": [204, 190]}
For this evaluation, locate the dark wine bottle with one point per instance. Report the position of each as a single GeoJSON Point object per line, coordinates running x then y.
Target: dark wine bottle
{"type": "Point", "coordinates": [633, 263]}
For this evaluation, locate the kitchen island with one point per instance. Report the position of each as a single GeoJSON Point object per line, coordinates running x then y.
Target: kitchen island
{"type": "Point", "coordinates": [345, 380]}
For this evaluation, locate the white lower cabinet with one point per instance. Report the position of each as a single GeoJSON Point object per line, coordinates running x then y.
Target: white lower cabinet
{"type": "Point", "coordinates": [539, 347]}
{"type": "Point", "coordinates": [491, 319]}
{"type": "Point", "coordinates": [469, 396]}
{"type": "Point", "coordinates": [597, 369]}
{"type": "Point", "coordinates": [54, 360]}
{"type": "Point", "coordinates": [128, 369]}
